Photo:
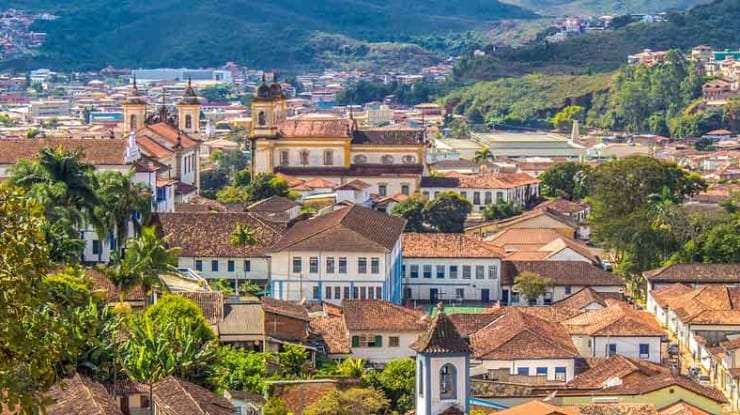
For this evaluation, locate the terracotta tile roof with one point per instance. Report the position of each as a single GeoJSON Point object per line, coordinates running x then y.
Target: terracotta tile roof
{"type": "Point", "coordinates": [184, 188]}
{"type": "Point", "coordinates": [382, 136]}
{"type": "Point", "coordinates": [332, 332]}
{"type": "Point", "coordinates": [528, 256]}
{"type": "Point", "coordinates": [682, 408]}
{"type": "Point", "coordinates": [152, 148]}
{"type": "Point", "coordinates": [538, 408]}
{"type": "Point", "coordinates": [562, 243]}
{"type": "Point", "coordinates": [706, 305]}
{"type": "Point", "coordinates": [200, 204]}
{"type": "Point", "coordinates": [315, 183]}
{"type": "Point", "coordinates": [292, 181]}
{"type": "Point", "coordinates": [574, 273]}
{"type": "Point", "coordinates": [176, 397]}
{"type": "Point", "coordinates": [441, 337]}
{"type": "Point", "coordinates": [351, 229]}
{"type": "Point", "coordinates": [284, 308]}
{"type": "Point", "coordinates": [102, 284]}
{"type": "Point", "coordinates": [666, 295]}
{"type": "Point", "coordinates": [303, 128]}
{"type": "Point", "coordinates": [447, 245]}
{"type": "Point", "coordinates": [521, 237]}
{"type": "Point", "coordinates": [617, 366]}
{"type": "Point", "coordinates": [696, 273]}
{"type": "Point", "coordinates": [298, 395]}
{"type": "Point", "coordinates": [469, 323]}
{"type": "Point", "coordinates": [274, 204]}
{"type": "Point", "coordinates": [524, 217]}
{"type": "Point", "coordinates": [518, 335]}
{"type": "Point", "coordinates": [170, 134]}
{"type": "Point", "coordinates": [355, 184]}
{"type": "Point", "coordinates": [211, 303]}
{"type": "Point", "coordinates": [479, 181]}
{"type": "Point", "coordinates": [616, 409]}
{"type": "Point", "coordinates": [581, 298]}
{"type": "Point", "coordinates": [209, 234]}
{"type": "Point", "coordinates": [618, 319]}
{"type": "Point", "coordinates": [81, 396]}
{"type": "Point", "coordinates": [95, 151]}
{"type": "Point", "coordinates": [562, 206]}
{"type": "Point", "coordinates": [379, 315]}
{"type": "Point", "coordinates": [554, 314]}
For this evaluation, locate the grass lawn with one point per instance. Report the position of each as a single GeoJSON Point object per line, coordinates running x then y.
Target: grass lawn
{"type": "Point", "coordinates": [456, 309]}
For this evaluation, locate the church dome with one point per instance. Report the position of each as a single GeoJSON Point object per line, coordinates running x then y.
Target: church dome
{"type": "Point", "coordinates": [190, 97]}
{"type": "Point", "coordinates": [276, 90]}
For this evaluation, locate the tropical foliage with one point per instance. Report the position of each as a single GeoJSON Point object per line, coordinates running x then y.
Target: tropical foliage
{"type": "Point", "coordinates": [445, 213]}
{"type": "Point", "coordinates": [531, 285]}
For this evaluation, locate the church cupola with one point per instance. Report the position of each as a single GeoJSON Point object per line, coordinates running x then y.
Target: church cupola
{"type": "Point", "coordinates": [188, 111]}
{"type": "Point", "coordinates": [134, 110]}
{"type": "Point", "coordinates": [268, 109]}
{"type": "Point", "coordinates": [442, 369]}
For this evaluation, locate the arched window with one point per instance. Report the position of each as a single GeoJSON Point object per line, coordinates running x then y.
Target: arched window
{"type": "Point", "coordinates": [188, 121]}
{"type": "Point", "coordinates": [132, 122]}
{"type": "Point", "coordinates": [448, 382]}
{"type": "Point", "coordinates": [387, 159]}
{"type": "Point", "coordinates": [304, 157]}
{"type": "Point", "coordinates": [261, 118]}
{"type": "Point", "coordinates": [360, 159]}
{"type": "Point", "coordinates": [408, 159]}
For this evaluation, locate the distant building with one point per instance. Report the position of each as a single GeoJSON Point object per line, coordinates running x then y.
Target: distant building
{"type": "Point", "coordinates": [648, 57]}
{"type": "Point", "coordinates": [167, 74]}
{"type": "Point", "coordinates": [50, 108]}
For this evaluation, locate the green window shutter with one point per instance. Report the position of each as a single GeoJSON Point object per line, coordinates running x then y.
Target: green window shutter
{"type": "Point", "coordinates": [378, 341]}
{"type": "Point", "coordinates": [355, 341]}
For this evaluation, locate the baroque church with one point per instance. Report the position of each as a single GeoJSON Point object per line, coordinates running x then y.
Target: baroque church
{"type": "Point", "coordinates": [168, 141]}
{"type": "Point", "coordinates": [389, 160]}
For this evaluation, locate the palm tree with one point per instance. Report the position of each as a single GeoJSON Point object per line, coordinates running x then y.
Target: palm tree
{"type": "Point", "coordinates": [120, 199]}
{"type": "Point", "coordinates": [659, 206]}
{"type": "Point", "coordinates": [484, 155]}
{"type": "Point", "coordinates": [146, 258]}
{"type": "Point", "coordinates": [243, 235]}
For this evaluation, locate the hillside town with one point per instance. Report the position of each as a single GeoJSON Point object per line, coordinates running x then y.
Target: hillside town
{"type": "Point", "coordinates": [231, 241]}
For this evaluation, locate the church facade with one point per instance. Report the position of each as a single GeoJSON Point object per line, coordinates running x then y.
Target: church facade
{"type": "Point", "coordinates": [391, 161]}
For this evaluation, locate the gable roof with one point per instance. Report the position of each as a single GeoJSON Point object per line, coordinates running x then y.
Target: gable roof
{"type": "Point", "coordinates": [322, 128]}
{"type": "Point", "coordinates": [447, 245]}
{"type": "Point", "coordinates": [332, 332]}
{"type": "Point", "coordinates": [351, 229]}
{"type": "Point", "coordinates": [284, 308]}
{"type": "Point", "coordinates": [385, 136]}
{"type": "Point", "coordinates": [173, 136]}
{"type": "Point", "coordinates": [441, 337]}
{"type": "Point", "coordinates": [618, 319]}
{"type": "Point", "coordinates": [176, 397]}
{"type": "Point", "coordinates": [696, 273]}
{"type": "Point", "coordinates": [708, 304]}
{"type": "Point", "coordinates": [576, 273]}
{"type": "Point", "coordinates": [379, 315]}
{"type": "Point", "coordinates": [582, 298]}
{"type": "Point", "coordinates": [209, 234]}
{"type": "Point", "coordinates": [469, 323]}
{"type": "Point", "coordinates": [79, 395]}
{"type": "Point", "coordinates": [538, 408]}
{"type": "Point", "coordinates": [518, 335]}
{"type": "Point", "coordinates": [95, 151]}
{"type": "Point", "coordinates": [561, 220]}
{"type": "Point", "coordinates": [273, 204]}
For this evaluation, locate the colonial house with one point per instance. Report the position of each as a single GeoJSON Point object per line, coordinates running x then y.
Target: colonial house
{"type": "Point", "coordinates": [276, 209]}
{"type": "Point", "coordinates": [522, 348]}
{"type": "Point", "coordinates": [566, 277]}
{"type": "Point", "coordinates": [380, 331]}
{"type": "Point", "coordinates": [351, 253]}
{"type": "Point", "coordinates": [522, 244]}
{"type": "Point", "coordinates": [207, 244]}
{"type": "Point", "coordinates": [617, 328]}
{"type": "Point", "coordinates": [390, 159]}
{"type": "Point", "coordinates": [450, 267]}
{"type": "Point", "coordinates": [587, 299]}
{"type": "Point", "coordinates": [484, 188]}
{"type": "Point", "coordinates": [534, 219]}
{"type": "Point", "coordinates": [694, 275]}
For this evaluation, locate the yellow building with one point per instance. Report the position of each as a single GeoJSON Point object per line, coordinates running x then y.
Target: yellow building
{"type": "Point", "coordinates": [390, 160]}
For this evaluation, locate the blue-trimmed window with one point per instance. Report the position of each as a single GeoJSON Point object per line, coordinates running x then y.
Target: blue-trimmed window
{"type": "Point", "coordinates": [97, 248]}
{"type": "Point", "coordinates": [342, 265]}
{"type": "Point", "coordinates": [247, 265]}
{"type": "Point", "coordinates": [427, 271]}
{"type": "Point", "coordinates": [375, 265]}
{"type": "Point", "coordinates": [161, 194]}
{"type": "Point", "coordinates": [612, 349]}
{"type": "Point", "coordinates": [440, 271]}
{"type": "Point", "coordinates": [198, 265]}
{"type": "Point", "coordinates": [362, 265]}
{"type": "Point", "coordinates": [644, 350]}
{"type": "Point", "coordinates": [297, 266]}
{"type": "Point", "coordinates": [230, 265]}
{"type": "Point", "coordinates": [214, 265]}
{"type": "Point", "coordinates": [560, 372]}
{"type": "Point", "coordinates": [414, 272]}
{"type": "Point", "coordinates": [522, 371]}
{"type": "Point", "coordinates": [541, 371]}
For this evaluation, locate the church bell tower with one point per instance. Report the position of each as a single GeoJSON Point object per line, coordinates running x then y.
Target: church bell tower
{"type": "Point", "coordinates": [134, 111]}
{"type": "Point", "coordinates": [188, 111]}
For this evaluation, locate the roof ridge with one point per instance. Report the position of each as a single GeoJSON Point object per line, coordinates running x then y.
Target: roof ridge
{"type": "Point", "coordinates": [90, 393]}
{"type": "Point", "coordinates": [181, 386]}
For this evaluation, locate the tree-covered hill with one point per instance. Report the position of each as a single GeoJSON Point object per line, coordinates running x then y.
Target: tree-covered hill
{"type": "Point", "coordinates": [279, 33]}
{"type": "Point", "coordinates": [712, 24]}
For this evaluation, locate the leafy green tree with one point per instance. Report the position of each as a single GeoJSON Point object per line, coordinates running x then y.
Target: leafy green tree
{"type": "Point", "coordinates": [502, 210]}
{"type": "Point", "coordinates": [32, 341]}
{"type": "Point", "coordinates": [531, 285]}
{"type": "Point", "coordinates": [351, 367]}
{"type": "Point", "coordinates": [447, 212]}
{"type": "Point", "coordinates": [563, 120]}
{"type": "Point", "coordinates": [221, 285]}
{"type": "Point", "coordinates": [412, 209]}
{"type": "Point", "coordinates": [232, 194]}
{"type": "Point", "coordinates": [293, 362]}
{"type": "Point", "coordinates": [6, 121]}
{"type": "Point", "coordinates": [356, 401]}
{"type": "Point", "coordinates": [459, 128]}
{"type": "Point", "coordinates": [704, 144]}
{"type": "Point", "coordinates": [241, 370]}
{"type": "Point", "coordinates": [722, 243]}
{"type": "Point", "coordinates": [732, 113]}
{"type": "Point", "coordinates": [266, 185]}
{"type": "Point", "coordinates": [570, 180]}
{"type": "Point", "coordinates": [147, 257]}
{"type": "Point", "coordinates": [275, 406]}
{"type": "Point", "coordinates": [484, 155]}
{"type": "Point", "coordinates": [217, 93]}
{"type": "Point", "coordinates": [243, 235]}
{"type": "Point", "coordinates": [397, 381]}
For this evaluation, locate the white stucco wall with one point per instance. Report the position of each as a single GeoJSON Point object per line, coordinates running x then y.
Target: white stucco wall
{"type": "Point", "coordinates": [386, 353]}
{"type": "Point", "coordinates": [259, 267]}
{"type": "Point", "coordinates": [420, 287]}
{"type": "Point", "coordinates": [628, 346]}
{"type": "Point", "coordinates": [533, 364]}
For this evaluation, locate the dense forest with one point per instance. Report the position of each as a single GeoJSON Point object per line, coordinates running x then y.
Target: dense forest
{"type": "Point", "coordinates": [280, 34]}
